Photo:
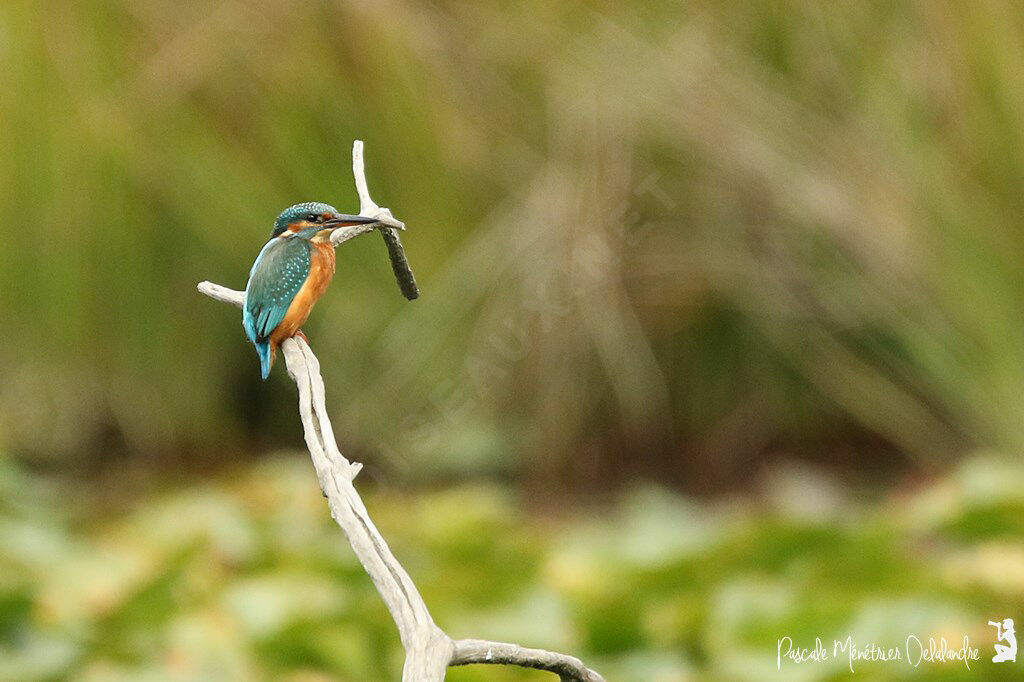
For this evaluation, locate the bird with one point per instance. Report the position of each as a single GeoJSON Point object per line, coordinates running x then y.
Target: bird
{"type": "Point", "coordinates": [290, 274]}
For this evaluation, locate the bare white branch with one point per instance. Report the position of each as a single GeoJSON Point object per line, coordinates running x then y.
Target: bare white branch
{"type": "Point", "coordinates": [386, 223]}
{"type": "Point", "coordinates": [468, 651]}
{"type": "Point", "coordinates": [367, 207]}
{"type": "Point", "coordinates": [428, 650]}
{"type": "Point", "coordinates": [222, 294]}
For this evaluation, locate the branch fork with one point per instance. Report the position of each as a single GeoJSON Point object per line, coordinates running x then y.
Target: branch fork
{"type": "Point", "coordinates": [428, 650]}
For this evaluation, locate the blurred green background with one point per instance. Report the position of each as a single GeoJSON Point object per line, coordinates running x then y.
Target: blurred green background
{"type": "Point", "coordinates": [720, 336]}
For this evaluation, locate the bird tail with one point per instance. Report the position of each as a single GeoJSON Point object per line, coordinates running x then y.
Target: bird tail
{"type": "Point", "coordinates": [266, 357]}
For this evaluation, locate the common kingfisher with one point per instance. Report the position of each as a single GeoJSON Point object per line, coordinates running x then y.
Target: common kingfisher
{"type": "Point", "coordinates": [290, 274]}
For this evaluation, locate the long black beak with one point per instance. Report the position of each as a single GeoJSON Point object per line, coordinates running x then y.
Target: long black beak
{"type": "Point", "coordinates": [343, 219]}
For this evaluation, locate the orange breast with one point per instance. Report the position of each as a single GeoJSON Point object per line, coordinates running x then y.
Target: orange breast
{"type": "Point", "coordinates": [321, 270]}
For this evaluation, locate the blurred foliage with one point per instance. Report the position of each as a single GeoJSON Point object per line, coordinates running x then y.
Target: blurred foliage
{"type": "Point", "coordinates": [656, 241]}
{"type": "Point", "coordinates": [246, 577]}
{"type": "Point", "coordinates": [681, 235]}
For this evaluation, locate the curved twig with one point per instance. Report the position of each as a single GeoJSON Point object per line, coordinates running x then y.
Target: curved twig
{"type": "Point", "coordinates": [428, 650]}
{"type": "Point", "coordinates": [469, 651]}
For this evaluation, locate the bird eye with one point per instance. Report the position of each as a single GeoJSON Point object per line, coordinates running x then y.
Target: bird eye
{"type": "Point", "coordinates": [313, 218]}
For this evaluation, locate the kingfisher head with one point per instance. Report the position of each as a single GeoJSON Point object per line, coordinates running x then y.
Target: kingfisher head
{"type": "Point", "coordinates": [313, 218]}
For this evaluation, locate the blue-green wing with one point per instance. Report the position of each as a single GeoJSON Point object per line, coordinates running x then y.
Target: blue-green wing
{"type": "Point", "coordinates": [276, 277]}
